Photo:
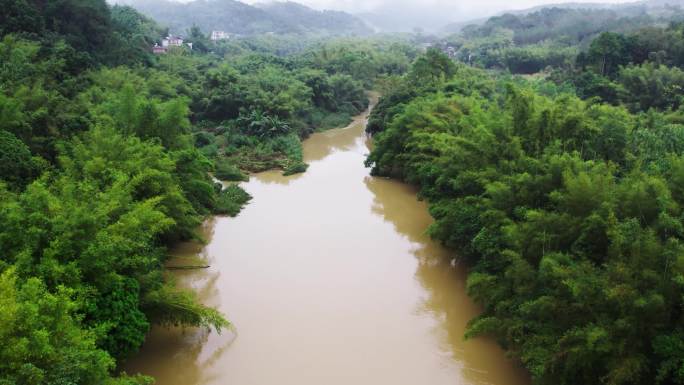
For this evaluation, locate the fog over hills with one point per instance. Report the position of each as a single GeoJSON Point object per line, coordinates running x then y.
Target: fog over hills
{"type": "Point", "coordinates": [433, 15]}
{"type": "Point", "coordinates": [352, 17]}
{"type": "Point", "coordinates": [240, 18]}
{"type": "Point", "coordinates": [336, 22]}
{"type": "Point", "coordinates": [593, 11]}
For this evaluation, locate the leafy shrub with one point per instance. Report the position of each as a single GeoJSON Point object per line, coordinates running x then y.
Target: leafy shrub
{"type": "Point", "coordinates": [17, 167]}
{"type": "Point", "coordinates": [295, 168]}
{"type": "Point", "coordinates": [231, 200]}
{"type": "Point", "coordinates": [227, 171]}
{"type": "Point", "coordinates": [210, 151]}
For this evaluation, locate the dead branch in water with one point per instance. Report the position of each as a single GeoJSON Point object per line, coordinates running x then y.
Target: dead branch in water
{"type": "Point", "coordinates": [187, 267]}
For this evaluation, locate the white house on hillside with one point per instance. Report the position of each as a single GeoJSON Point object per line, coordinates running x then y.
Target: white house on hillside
{"type": "Point", "coordinates": [172, 41]}
{"type": "Point", "coordinates": [219, 35]}
{"type": "Point", "coordinates": [167, 43]}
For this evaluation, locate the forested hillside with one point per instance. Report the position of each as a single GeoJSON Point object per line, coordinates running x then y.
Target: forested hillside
{"type": "Point", "coordinates": [239, 18]}
{"type": "Point", "coordinates": [94, 184]}
{"type": "Point", "coordinates": [106, 158]}
{"type": "Point", "coordinates": [527, 43]}
{"type": "Point", "coordinates": [303, 18]}
{"type": "Point", "coordinates": [564, 195]}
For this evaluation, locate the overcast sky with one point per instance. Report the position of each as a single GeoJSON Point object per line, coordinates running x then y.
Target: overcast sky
{"type": "Point", "coordinates": [473, 7]}
{"type": "Point", "coordinates": [427, 14]}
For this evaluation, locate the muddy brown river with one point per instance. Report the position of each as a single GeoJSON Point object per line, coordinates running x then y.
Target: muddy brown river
{"type": "Point", "coordinates": [329, 278]}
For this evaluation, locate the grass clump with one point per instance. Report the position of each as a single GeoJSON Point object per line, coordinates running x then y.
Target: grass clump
{"type": "Point", "coordinates": [295, 168]}
{"type": "Point", "coordinates": [227, 171]}
{"type": "Point", "coordinates": [231, 200]}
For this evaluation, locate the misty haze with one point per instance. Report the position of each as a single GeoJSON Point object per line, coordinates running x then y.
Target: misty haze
{"type": "Point", "coordinates": [431, 15]}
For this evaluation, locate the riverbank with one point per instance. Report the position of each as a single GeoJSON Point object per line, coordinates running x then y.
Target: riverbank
{"type": "Point", "coordinates": [329, 278]}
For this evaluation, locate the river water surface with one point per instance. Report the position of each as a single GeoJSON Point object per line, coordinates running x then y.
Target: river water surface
{"type": "Point", "coordinates": [329, 279]}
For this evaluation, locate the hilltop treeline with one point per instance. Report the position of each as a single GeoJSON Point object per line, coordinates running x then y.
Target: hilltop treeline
{"type": "Point", "coordinates": [550, 37]}
{"type": "Point", "coordinates": [566, 202]}
{"type": "Point", "coordinates": [642, 70]}
{"type": "Point", "coordinates": [239, 18]}
{"type": "Point", "coordinates": [84, 33]}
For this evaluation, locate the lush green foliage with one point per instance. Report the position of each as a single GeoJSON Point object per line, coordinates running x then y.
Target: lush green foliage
{"type": "Point", "coordinates": [231, 200]}
{"type": "Point", "coordinates": [98, 173]}
{"type": "Point", "coordinates": [106, 159]}
{"type": "Point", "coordinates": [31, 352]}
{"type": "Point", "coordinates": [226, 170]}
{"type": "Point", "coordinates": [570, 213]}
{"type": "Point", "coordinates": [94, 32]}
{"type": "Point", "coordinates": [255, 110]}
{"type": "Point", "coordinates": [565, 194]}
{"type": "Point", "coordinates": [552, 37]}
{"type": "Point", "coordinates": [17, 166]}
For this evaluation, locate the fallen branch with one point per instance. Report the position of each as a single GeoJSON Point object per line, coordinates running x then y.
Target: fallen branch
{"type": "Point", "coordinates": [187, 267]}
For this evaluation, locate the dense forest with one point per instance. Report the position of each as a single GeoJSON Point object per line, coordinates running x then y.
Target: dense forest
{"type": "Point", "coordinates": [563, 191]}
{"type": "Point", "coordinates": [106, 158]}
{"type": "Point", "coordinates": [550, 37]}
{"type": "Point", "coordinates": [549, 145]}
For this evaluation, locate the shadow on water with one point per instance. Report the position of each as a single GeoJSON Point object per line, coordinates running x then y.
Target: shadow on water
{"type": "Point", "coordinates": [276, 177]}
{"type": "Point", "coordinates": [186, 348]}
{"type": "Point", "coordinates": [194, 248]}
{"type": "Point", "coordinates": [191, 349]}
{"type": "Point", "coordinates": [322, 144]}
{"type": "Point", "coordinates": [444, 281]}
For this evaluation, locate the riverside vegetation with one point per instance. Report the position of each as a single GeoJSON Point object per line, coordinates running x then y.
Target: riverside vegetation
{"type": "Point", "coordinates": [106, 155]}
{"type": "Point", "coordinates": [564, 190]}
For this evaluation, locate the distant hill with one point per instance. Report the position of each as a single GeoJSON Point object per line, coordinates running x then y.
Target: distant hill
{"type": "Point", "coordinates": [651, 5]}
{"type": "Point", "coordinates": [565, 16]}
{"type": "Point", "coordinates": [300, 16]}
{"type": "Point", "coordinates": [407, 16]}
{"type": "Point", "coordinates": [240, 18]}
{"type": "Point", "coordinates": [571, 25]}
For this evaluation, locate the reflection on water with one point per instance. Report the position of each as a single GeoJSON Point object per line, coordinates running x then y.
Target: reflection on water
{"type": "Point", "coordinates": [320, 145]}
{"type": "Point", "coordinates": [183, 356]}
{"type": "Point", "coordinates": [444, 281]}
{"type": "Point", "coordinates": [329, 278]}
{"type": "Point", "coordinates": [323, 144]}
{"type": "Point", "coordinates": [191, 250]}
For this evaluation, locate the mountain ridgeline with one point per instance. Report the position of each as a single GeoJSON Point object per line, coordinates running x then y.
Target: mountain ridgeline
{"type": "Point", "coordinates": [569, 17]}
{"type": "Point", "coordinates": [551, 38]}
{"type": "Point", "coordinates": [239, 18]}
